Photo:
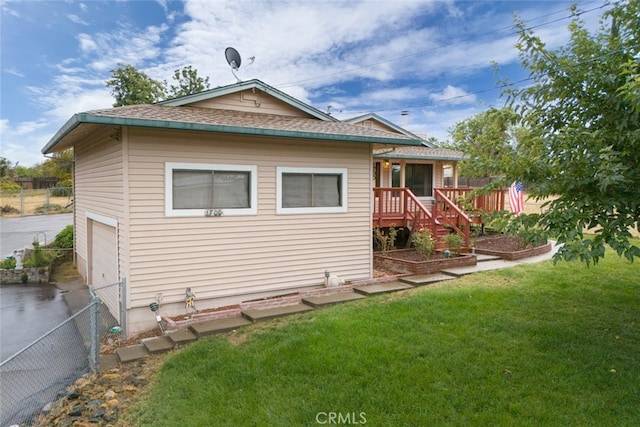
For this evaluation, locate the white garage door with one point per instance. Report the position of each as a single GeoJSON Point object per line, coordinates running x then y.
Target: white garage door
{"type": "Point", "coordinates": [104, 265]}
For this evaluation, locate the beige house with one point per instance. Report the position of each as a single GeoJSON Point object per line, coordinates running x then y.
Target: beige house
{"type": "Point", "coordinates": [240, 193]}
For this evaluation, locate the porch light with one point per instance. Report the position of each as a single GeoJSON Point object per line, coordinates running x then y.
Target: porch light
{"type": "Point", "coordinates": [386, 163]}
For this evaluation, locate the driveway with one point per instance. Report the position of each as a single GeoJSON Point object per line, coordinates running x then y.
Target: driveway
{"type": "Point", "coordinates": [18, 233]}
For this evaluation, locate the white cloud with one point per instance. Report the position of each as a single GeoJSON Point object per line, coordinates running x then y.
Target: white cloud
{"type": "Point", "coordinates": [77, 20]}
{"type": "Point", "coordinates": [437, 122]}
{"type": "Point", "coordinates": [453, 95]}
{"type": "Point", "coordinates": [13, 71]}
{"type": "Point", "coordinates": [87, 43]}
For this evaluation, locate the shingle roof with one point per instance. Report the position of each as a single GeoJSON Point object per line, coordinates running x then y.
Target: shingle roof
{"type": "Point", "coordinates": [426, 153]}
{"type": "Point", "coordinates": [227, 121]}
{"type": "Point", "coordinates": [242, 119]}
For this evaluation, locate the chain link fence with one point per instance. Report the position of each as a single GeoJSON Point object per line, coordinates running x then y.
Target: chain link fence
{"type": "Point", "coordinates": [35, 202]}
{"type": "Point", "coordinates": [40, 373]}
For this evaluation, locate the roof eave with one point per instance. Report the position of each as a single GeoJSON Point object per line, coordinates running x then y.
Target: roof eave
{"type": "Point", "coordinates": [80, 118]}
{"type": "Point", "coordinates": [65, 130]}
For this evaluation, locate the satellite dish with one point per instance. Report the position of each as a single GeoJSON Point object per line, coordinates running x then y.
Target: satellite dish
{"type": "Point", "coordinates": [233, 58]}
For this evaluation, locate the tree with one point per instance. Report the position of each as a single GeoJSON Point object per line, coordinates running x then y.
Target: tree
{"type": "Point", "coordinates": [489, 139]}
{"type": "Point", "coordinates": [188, 82]}
{"type": "Point", "coordinates": [582, 117]}
{"type": "Point", "coordinates": [5, 167]}
{"type": "Point", "coordinates": [130, 86]}
{"type": "Point", "coordinates": [59, 165]}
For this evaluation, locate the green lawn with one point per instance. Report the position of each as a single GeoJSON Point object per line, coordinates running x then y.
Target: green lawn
{"type": "Point", "coordinates": [531, 345]}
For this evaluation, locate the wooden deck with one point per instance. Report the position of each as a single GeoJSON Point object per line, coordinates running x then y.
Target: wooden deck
{"type": "Point", "coordinates": [452, 209]}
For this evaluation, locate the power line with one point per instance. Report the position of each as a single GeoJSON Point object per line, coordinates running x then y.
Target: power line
{"type": "Point", "coordinates": [502, 86]}
{"type": "Point", "coordinates": [375, 64]}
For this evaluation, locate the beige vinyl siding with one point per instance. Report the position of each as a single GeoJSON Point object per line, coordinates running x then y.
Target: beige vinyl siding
{"type": "Point", "coordinates": [232, 256]}
{"type": "Point", "coordinates": [439, 180]}
{"type": "Point", "coordinates": [375, 124]}
{"type": "Point", "coordinates": [98, 190]}
{"type": "Point", "coordinates": [254, 101]}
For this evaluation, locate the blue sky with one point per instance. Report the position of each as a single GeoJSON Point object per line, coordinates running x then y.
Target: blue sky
{"type": "Point", "coordinates": [430, 58]}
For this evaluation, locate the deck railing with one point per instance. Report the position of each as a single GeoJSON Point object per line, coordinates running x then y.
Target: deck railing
{"type": "Point", "coordinates": [477, 204]}
{"type": "Point", "coordinates": [447, 213]}
{"type": "Point", "coordinates": [452, 207]}
{"type": "Point", "coordinates": [400, 207]}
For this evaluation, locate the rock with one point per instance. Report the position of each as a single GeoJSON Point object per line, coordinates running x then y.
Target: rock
{"type": "Point", "coordinates": [77, 411]}
{"type": "Point", "coordinates": [47, 408]}
{"type": "Point", "coordinates": [74, 394]}
{"type": "Point", "coordinates": [94, 403]}
{"type": "Point", "coordinates": [113, 403]}
{"type": "Point", "coordinates": [110, 394]}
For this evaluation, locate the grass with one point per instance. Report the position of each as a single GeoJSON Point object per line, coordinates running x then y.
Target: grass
{"type": "Point", "coordinates": [531, 345]}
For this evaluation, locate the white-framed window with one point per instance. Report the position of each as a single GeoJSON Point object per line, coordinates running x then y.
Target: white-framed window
{"type": "Point", "coordinates": [311, 190]}
{"type": "Point", "coordinates": [203, 189]}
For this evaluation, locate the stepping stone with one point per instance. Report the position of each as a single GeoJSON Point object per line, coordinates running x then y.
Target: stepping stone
{"type": "Point", "coordinates": [483, 257]}
{"type": "Point", "coordinates": [257, 314]}
{"type": "Point", "coordinates": [181, 336]}
{"type": "Point", "coordinates": [330, 299]}
{"type": "Point", "coordinates": [481, 266]}
{"type": "Point", "coordinates": [216, 326]}
{"type": "Point", "coordinates": [108, 362]}
{"type": "Point", "coordinates": [425, 279]}
{"type": "Point", "coordinates": [131, 353]}
{"type": "Point", "coordinates": [381, 288]}
{"type": "Point", "coordinates": [157, 344]}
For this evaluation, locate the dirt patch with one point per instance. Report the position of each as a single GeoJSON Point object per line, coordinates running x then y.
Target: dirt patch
{"type": "Point", "coordinates": [502, 243]}
{"type": "Point", "coordinates": [210, 310]}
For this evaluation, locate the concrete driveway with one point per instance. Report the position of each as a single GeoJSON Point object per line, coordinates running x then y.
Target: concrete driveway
{"type": "Point", "coordinates": [18, 233]}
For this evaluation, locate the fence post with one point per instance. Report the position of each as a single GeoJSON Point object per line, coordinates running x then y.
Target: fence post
{"type": "Point", "coordinates": [94, 333]}
{"type": "Point", "coordinates": [22, 202]}
{"type": "Point", "coordinates": [46, 200]}
{"type": "Point", "coordinates": [123, 307]}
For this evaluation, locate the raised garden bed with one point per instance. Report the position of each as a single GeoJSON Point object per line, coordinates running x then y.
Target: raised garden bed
{"type": "Point", "coordinates": [509, 247]}
{"type": "Point", "coordinates": [409, 261]}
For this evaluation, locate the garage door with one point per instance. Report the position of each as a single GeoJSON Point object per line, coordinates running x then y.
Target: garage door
{"type": "Point", "coordinates": [104, 265]}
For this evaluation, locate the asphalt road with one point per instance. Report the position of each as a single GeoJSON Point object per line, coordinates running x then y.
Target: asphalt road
{"type": "Point", "coordinates": [18, 233]}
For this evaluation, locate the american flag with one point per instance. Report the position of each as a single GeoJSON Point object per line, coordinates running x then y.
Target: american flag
{"type": "Point", "coordinates": [516, 198]}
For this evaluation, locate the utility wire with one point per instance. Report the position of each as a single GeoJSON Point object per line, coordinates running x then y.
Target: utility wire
{"type": "Point", "coordinates": [375, 64]}
{"type": "Point", "coordinates": [501, 86]}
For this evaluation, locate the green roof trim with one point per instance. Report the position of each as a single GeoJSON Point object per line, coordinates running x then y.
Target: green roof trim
{"type": "Point", "coordinates": [89, 118]}
{"type": "Point", "coordinates": [417, 156]}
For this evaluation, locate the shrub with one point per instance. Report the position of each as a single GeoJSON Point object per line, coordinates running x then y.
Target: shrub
{"type": "Point", "coordinates": [64, 239]}
{"type": "Point", "coordinates": [8, 264]}
{"type": "Point", "coordinates": [6, 184]}
{"type": "Point", "coordinates": [385, 242]}
{"type": "Point", "coordinates": [424, 242]}
{"type": "Point", "coordinates": [454, 242]}
{"type": "Point", "coordinates": [50, 208]}
{"type": "Point", "coordinates": [37, 259]}
{"type": "Point", "coordinates": [8, 209]}
{"type": "Point", "coordinates": [61, 191]}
